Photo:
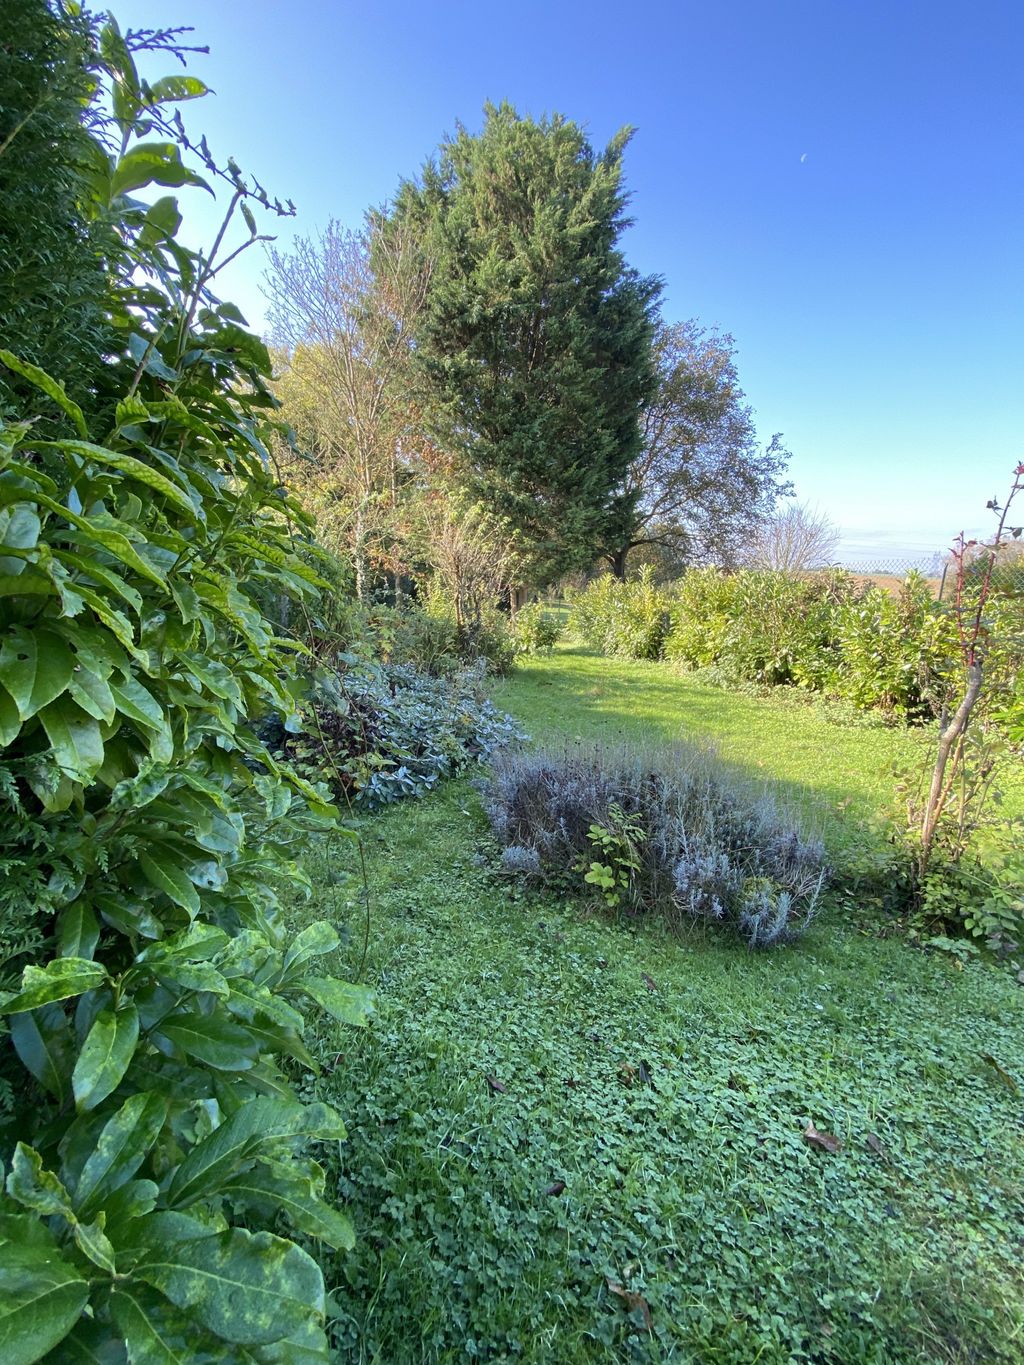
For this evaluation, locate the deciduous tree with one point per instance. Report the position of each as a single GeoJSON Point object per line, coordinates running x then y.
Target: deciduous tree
{"type": "Point", "coordinates": [701, 482]}
{"type": "Point", "coordinates": [795, 539]}
{"type": "Point", "coordinates": [346, 329]}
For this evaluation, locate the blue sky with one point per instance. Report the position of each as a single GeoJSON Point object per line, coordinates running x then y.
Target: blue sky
{"type": "Point", "coordinates": [838, 183]}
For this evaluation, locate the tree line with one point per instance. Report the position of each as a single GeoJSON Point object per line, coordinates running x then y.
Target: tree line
{"type": "Point", "coordinates": [485, 391]}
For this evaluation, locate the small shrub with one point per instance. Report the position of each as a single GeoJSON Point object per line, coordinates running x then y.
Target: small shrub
{"type": "Point", "coordinates": [537, 630]}
{"type": "Point", "coordinates": [379, 733]}
{"type": "Point", "coordinates": [627, 620]}
{"type": "Point", "coordinates": [671, 833]}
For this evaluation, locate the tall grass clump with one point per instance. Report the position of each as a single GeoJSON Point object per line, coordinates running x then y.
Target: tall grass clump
{"type": "Point", "coordinates": [671, 833]}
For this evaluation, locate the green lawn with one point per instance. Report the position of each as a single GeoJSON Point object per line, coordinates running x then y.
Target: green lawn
{"type": "Point", "coordinates": [520, 1043]}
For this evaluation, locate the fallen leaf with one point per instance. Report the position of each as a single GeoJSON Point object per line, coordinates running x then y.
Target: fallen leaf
{"type": "Point", "coordinates": [1003, 1074]}
{"type": "Point", "coordinates": [634, 1302]}
{"type": "Point", "coordinates": [878, 1146]}
{"type": "Point", "coordinates": [627, 1073]}
{"type": "Point", "coordinates": [496, 1085]}
{"type": "Point", "coordinates": [649, 982]}
{"type": "Point", "coordinates": [826, 1141]}
{"type": "Point", "coordinates": [556, 1187]}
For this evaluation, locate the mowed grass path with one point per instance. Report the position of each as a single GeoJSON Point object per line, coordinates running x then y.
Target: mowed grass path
{"type": "Point", "coordinates": [573, 1140]}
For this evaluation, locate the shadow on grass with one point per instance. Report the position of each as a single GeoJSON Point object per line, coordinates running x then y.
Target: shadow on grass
{"type": "Point", "coordinates": [838, 777]}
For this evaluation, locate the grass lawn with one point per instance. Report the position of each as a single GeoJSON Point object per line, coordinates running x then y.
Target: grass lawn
{"type": "Point", "coordinates": [668, 1083]}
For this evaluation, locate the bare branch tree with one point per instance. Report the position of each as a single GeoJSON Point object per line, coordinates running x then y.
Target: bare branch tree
{"type": "Point", "coordinates": [342, 306]}
{"type": "Point", "coordinates": [793, 540]}
{"type": "Point", "coordinates": [701, 482]}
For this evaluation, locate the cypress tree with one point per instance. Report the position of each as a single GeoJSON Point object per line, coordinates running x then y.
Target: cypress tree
{"type": "Point", "coordinates": [534, 348]}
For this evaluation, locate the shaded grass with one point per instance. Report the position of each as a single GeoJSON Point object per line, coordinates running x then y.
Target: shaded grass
{"type": "Point", "coordinates": [668, 1084]}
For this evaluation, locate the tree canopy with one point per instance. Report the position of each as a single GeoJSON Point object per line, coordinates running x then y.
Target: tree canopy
{"type": "Point", "coordinates": [701, 481]}
{"type": "Point", "coordinates": [533, 347]}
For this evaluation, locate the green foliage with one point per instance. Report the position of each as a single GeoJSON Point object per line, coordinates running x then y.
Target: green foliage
{"type": "Point", "coordinates": [895, 649]}
{"type": "Point", "coordinates": [760, 626]}
{"type": "Point", "coordinates": [52, 270]}
{"type": "Point", "coordinates": [537, 630]}
{"type": "Point", "coordinates": [157, 1148]}
{"type": "Point", "coordinates": [673, 1108]}
{"type": "Point", "coordinates": [375, 734]}
{"type": "Point", "coordinates": [615, 867]}
{"type": "Point", "coordinates": [534, 344]}
{"type": "Point", "coordinates": [627, 620]}
{"type": "Point", "coordinates": [875, 649]}
{"type": "Point", "coordinates": [431, 639]}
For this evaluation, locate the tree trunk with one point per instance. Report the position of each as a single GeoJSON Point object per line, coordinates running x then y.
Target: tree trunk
{"type": "Point", "coordinates": [951, 733]}
{"type": "Point", "coordinates": [618, 563]}
{"type": "Point", "coordinates": [359, 551]}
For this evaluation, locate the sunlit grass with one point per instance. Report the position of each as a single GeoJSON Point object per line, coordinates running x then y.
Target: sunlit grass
{"type": "Point", "coordinates": [521, 1043]}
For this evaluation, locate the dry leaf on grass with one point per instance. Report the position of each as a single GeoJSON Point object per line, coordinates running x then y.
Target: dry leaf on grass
{"type": "Point", "coordinates": [634, 1302]}
{"type": "Point", "coordinates": [826, 1141]}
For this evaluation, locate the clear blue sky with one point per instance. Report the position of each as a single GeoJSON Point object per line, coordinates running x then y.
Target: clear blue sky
{"type": "Point", "coordinates": [838, 183]}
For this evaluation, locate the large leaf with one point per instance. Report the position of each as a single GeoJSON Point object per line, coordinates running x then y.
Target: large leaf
{"type": "Point", "coordinates": [35, 667]}
{"type": "Point", "coordinates": [49, 386]}
{"type": "Point", "coordinates": [213, 1040]}
{"type": "Point", "coordinates": [105, 1055]}
{"type": "Point", "coordinates": [42, 1039]}
{"type": "Point", "coordinates": [198, 941]}
{"type": "Point", "coordinates": [122, 1146]}
{"type": "Point", "coordinates": [41, 1299]}
{"type": "Point", "coordinates": [60, 979]}
{"type": "Point", "coordinates": [36, 1188]}
{"type": "Point", "coordinates": [76, 741]}
{"type": "Point", "coordinates": [249, 1000]}
{"type": "Point", "coordinates": [163, 219]}
{"type": "Point", "coordinates": [134, 469]}
{"type": "Point", "coordinates": [93, 1343]}
{"type": "Point", "coordinates": [92, 694]}
{"type": "Point", "coordinates": [10, 721]}
{"type": "Point", "coordinates": [107, 537]}
{"type": "Point", "coordinates": [233, 1144]}
{"type": "Point", "coordinates": [307, 1346]}
{"type": "Point", "coordinates": [273, 1191]}
{"type": "Point", "coordinates": [78, 930]}
{"type": "Point", "coordinates": [157, 1333]}
{"type": "Point", "coordinates": [137, 702]}
{"type": "Point", "coordinates": [313, 941]}
{"type": "Point", "coordinates": [151, 163]}
{"type": "Point", "coordinates": [348, 1003]}
{"type": "Point", "coordinates": [19, 530]}
{"type": "Point", "coordinates": [93, 1242]}
{"type": "Point", "coordinates": [174, 88]}
{"type": "Point", "coordinates": [249, 1288]}
{"type": "Point", "coordinates": [172, 880]}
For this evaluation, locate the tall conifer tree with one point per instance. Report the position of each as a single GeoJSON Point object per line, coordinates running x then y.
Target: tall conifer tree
{"type": "Point", "coordinates": [535, 343]}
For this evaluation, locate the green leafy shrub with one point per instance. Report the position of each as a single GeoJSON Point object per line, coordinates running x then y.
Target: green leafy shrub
{"type": "Point", "coordinates": [760, 626]}
{"type": "Point", "coordinates": [155, 1164]}
{"type": "Point", "coordinates": [537, 630]}
{"type": "Point", "coordinates": [895, 648]}
{"type": "Point", "coordinates": [376, 734]}
{"type": "Point", "coordinates": [430, 638]}
{"type": "Point", "coordinates": [673, 832]}
{"type": "Point", "coordinates": [628, 620]}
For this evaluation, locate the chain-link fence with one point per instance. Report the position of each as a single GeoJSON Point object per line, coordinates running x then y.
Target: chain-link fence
{"type": "Point", "coordinates": [940, 570]}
